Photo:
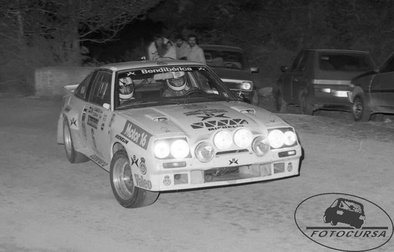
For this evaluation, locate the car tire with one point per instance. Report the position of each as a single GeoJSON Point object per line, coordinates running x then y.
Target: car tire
{"type": "Point", "coordinates": [305, 103]}
{"type": "Point", "coordinates": [72, 155]}
{"type": "Point", "coordinates": [126, 193]}
{"type": "Point", "coordinates": [334, 222]}
{"type": "Point", "coordinates": [325, 219]}
{"type": "Point", "coordinates": [360, 110]}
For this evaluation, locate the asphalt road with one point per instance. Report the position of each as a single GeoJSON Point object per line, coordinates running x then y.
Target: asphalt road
{"type": "Point", "coordinates": [48, 204]}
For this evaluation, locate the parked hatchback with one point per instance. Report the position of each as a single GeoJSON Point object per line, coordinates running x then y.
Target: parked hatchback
{"type": "Point", "coordinates": [373, 92]}
{"type": "Point", "coordinates": [230, 63]}
{"type": "Point", "coordinates": [321, 78]}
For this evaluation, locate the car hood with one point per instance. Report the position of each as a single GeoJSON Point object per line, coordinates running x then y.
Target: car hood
{"type": "Point", "coordinates": [226, 73]}
{"type": "Point", "coordinates": [198, 120]}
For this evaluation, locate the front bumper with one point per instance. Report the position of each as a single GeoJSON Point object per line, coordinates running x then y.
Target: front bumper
{"type": "Point", "coordinates": [276, 166]}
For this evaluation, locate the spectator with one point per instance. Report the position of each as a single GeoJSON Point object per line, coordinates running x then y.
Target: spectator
{"type": "Point", "coordinates": [157, 48]}
{"type": "Point", "coordinates": [182, 48]}
{"type": "Point", "coordinates": [170, 50]}
{"type": "Point", "coordinates": [196, 53]}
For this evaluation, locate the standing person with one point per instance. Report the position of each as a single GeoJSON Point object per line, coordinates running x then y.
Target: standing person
{"type": "Point", "coordinates": [181, 47]}
{"type": "Point", "coordinates": [171, 52]}
{"type": "Point", "coordinates": [196, 53]}
{"type": "Point", "coordinates": [157, 48]}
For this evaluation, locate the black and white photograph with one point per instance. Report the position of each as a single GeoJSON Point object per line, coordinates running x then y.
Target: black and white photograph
{"type": "Point", "coordinates": [196, 125]}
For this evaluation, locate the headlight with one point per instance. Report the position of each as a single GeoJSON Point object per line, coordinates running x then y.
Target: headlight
{"type": "Point", "coordinates": [162, 149]}
{"type": "Point", "coordinates": [179, 149]}
{"type": "Point", "coordinates": [223, 139]}
{"type": "Point", "coordinates": [276, 138]}
{"type": "Point", "coordinates": [243, 138]}
{"type": "Point", "coordinates": [290, 138]}
{"type": "Point", "coordinates": [204, 152]}
{"type": "Point", "coordinates": [259, 146]}
{"type": "Point", "coordinates": [246, 85]}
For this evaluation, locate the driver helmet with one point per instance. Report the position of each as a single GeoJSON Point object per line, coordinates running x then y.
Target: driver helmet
{"type": "Point", "coordinates": [126, 88]}
{"type": "Point", "coordinates": [178, 83]}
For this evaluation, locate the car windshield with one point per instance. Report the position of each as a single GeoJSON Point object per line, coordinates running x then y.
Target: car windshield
{"type": "Point", "coordinates": [155, 86]}
{"type": "Point", "coordinates": [224, 59]}
{"type": "Point", "coordinates": [345, 62]}
{"type": "Point", "coordinates": [351, 206]}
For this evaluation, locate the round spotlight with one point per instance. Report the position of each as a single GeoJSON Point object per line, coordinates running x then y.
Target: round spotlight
{"type": "Point", "coordinates": [290, 138]}
{"type": "Point", "coordinates": [243, 138]}
{"type": "Point", "coordinates": [179, 149]}
{"type": "Point", "coordinates": [259, 146]}
{"type": "Point", "coordinates": [204, 152]}
{"type": "Point", "coordinates": [276, 138]}
{"type": "Point", "coordinates": [223, 139]}
{"type": "Point", "coordinates": [246, 85]}
{"type": "Point", "coordinates": [161, 149]}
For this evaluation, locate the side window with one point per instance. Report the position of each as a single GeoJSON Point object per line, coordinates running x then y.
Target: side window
{"type": "Point", "coordinates": [388, 66]}
{"type": "Point", "coordinates": [101, 88]}
{"type": "Point", "coordinates": [299, 62]}
{"type": "Point", "coordinates": [82, 90]}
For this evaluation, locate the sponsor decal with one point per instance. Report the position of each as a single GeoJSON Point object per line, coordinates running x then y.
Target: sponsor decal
{"type": "Point", "coordinates": [92, 121]}
{"type": "Point", "coordinates": [167, 180]}
{"type": "Point", "coordinates": [233, 161]}
{"type": "Point", "coordinates": [143, 166]}
{"type": "Point", "coordinates": [165, 70]}
{"type": "Point", "coordinates": [83, 118]}
{"type": "Point", "coordinates": [73, 123]}
{"type": "Point", "coordinates": [142, 182]}
{"type": "Point", "coordinates": [205, 114]}
{"type": "Point", "coordinates": [136, 134]}
{"type": "Point", "coordinates": [220, 124]}
{"type": "Point", "coordinates": [122, 139]}
{"type": "Point", "coordinates": [134, 160]}
{"type": "Point", "coordinates": [98, 160]}
{"type": "Point", "coordinates": [343, 222]}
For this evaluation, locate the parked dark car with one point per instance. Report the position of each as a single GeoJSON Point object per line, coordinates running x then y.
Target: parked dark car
{"type": "Point", "coordinates": [230, 63]}
{"type": "Point", "coordinates": [320, 78]}
{"type": "Point", "coordinates": [373, 92]}
{"type": "Point", "coordinates": [345, 211]}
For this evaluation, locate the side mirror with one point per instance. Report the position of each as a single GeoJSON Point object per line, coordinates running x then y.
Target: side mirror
{"type": "Point", "coordinates": [106, 106]}
{"type": "Point", "coordinates": [254, 69]}
{"type": "Point", "coordinates": [284, 68]}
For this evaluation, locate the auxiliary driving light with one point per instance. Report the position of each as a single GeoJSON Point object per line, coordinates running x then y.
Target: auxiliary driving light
{"type": "Point", "coordinates": [259, 146]}
{"type": "Point", "coordinates": [179, 149]}
{"type": "Point", "coordinates": [162, 149]}
{"type": "Point", "coordinates": [223, 139]}
{"type": "Point", "coordinates": [276, 138]}
{"type": "Point", "coordinates": [204, 152]}
{"type": "Point", "coordinates": [243, 138]}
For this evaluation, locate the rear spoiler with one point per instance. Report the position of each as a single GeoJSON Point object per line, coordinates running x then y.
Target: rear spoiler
{"type": "Point", "coordinates": [71, 88]}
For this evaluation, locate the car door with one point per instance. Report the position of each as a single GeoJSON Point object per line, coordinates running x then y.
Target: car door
{"type": "Point", "coordinates": [293, 79]}
{"type": "Point", "coordinates": [382, 87]}
{"type": "Point", "coordinates": [97, 115]}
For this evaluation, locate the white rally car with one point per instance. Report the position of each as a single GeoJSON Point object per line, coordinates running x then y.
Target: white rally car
{"type": "Point", "coordinates": [171, 125]}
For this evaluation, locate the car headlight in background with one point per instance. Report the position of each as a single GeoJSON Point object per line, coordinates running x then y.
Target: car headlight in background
{"type": "Point", "coordinates": [171, 148]}
{"type": "Point", "coordinates": [243, 138]}
{"type": "Point", "coordinates": [223, 139]}
{"type": "Point", "coordinates": [259, 146]}
{"type": "Point", "coordinates": [246, 85]}
{"type": "Point", "coordinates": [204, 152]}
{"type": "Point", "coordinates": [283, 137]}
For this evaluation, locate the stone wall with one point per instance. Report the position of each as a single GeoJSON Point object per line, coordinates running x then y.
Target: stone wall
{"type": "Point", "coordinates": [50, 81]}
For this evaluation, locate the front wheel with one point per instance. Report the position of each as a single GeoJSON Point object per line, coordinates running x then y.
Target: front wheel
{"type": "Point", "coordinates": [125, 192]}
{"type": "Point", "coordinates": [359, 109]}
{"type": "Point", "coordinates": [72, 155]}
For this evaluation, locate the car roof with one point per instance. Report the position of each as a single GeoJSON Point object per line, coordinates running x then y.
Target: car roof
{"type": "Point", "coordinates": [337, 50]}
{"type": "Point", "coordinates": [221, 47]}
{"type": "Point", "coordinates": [119, 66]}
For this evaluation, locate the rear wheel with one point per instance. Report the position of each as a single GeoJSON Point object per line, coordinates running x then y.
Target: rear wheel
{"type": "Point", "coordinates": [123, 187]}
{"type": "Point", "coordinates": [72, 155]}
{"type": "Point", "coordinates": [359, 109]}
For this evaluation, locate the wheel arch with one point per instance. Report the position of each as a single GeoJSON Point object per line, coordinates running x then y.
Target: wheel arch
{"type": "Point", "coordinates": [357, 91]}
